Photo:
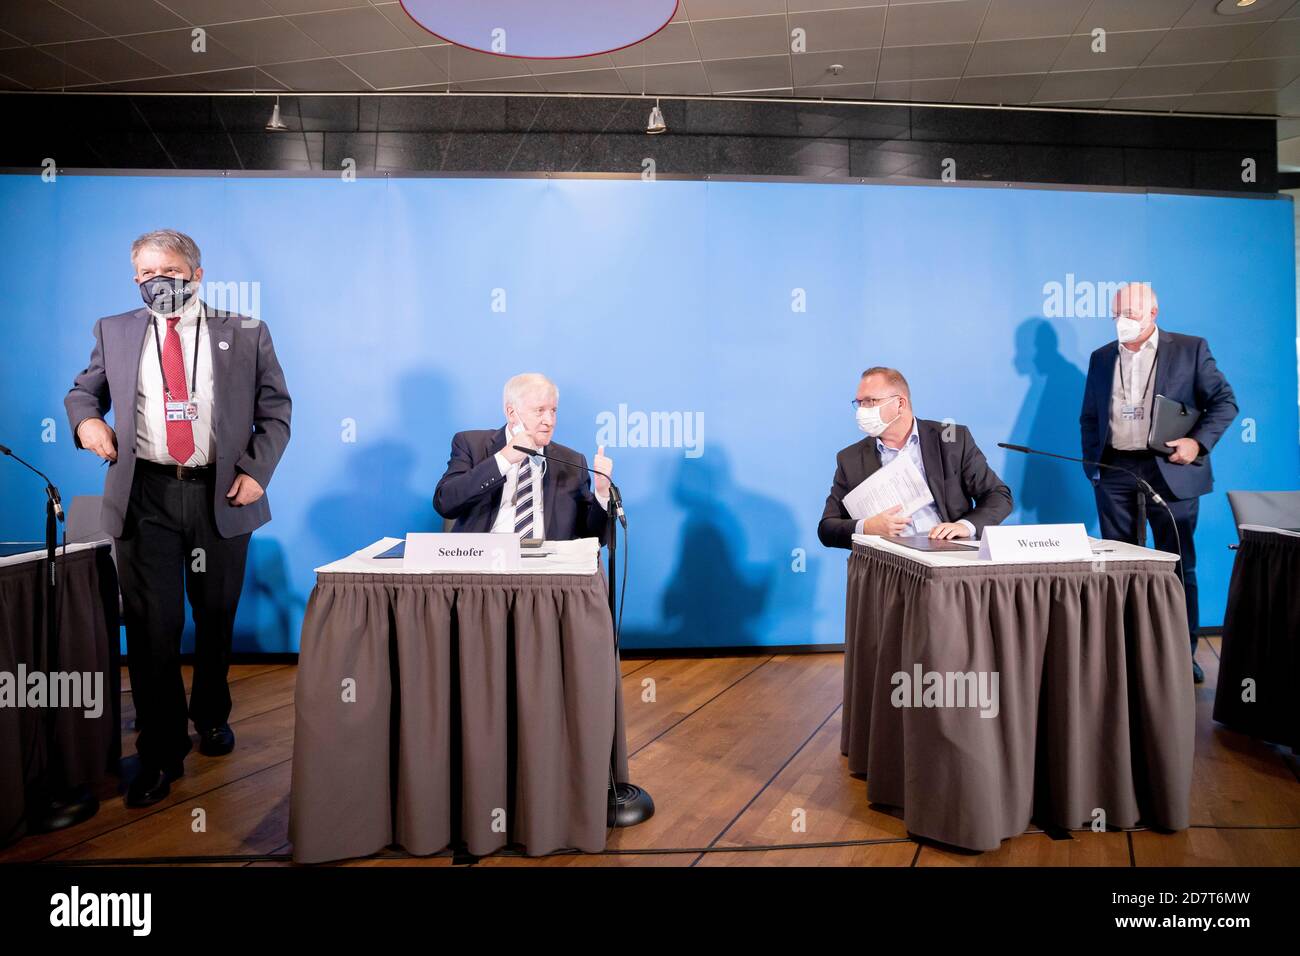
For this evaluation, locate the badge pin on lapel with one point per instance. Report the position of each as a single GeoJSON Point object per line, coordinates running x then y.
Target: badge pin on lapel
{"type": "Point", "coordinates": [223, 345]}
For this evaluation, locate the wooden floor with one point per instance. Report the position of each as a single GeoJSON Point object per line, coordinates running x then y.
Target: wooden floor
{"type": "Point", "coordinates": [730, 749]}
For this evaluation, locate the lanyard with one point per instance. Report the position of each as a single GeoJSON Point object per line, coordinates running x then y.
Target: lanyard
{"type": "Point", "coordinates": [194, 366]}
{"type": "Point", "coordinates": [1150, 376]}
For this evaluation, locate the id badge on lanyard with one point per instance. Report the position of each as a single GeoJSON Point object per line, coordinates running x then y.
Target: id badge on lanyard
{"type": "Point", "coordinates": [187, 409]}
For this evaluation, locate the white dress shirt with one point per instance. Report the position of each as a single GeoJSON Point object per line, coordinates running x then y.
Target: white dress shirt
{"type": "Point", "coordinates": [505, 519]}
{"type": "Point", "coordinates": [1137, 369]}
{"type": "Point", "coordinates": [150, 405]}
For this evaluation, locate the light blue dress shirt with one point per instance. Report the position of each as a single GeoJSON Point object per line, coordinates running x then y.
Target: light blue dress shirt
{"type": "Point", "coordinates": [924, 518]}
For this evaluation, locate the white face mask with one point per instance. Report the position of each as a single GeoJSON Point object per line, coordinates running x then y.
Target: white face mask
{"type": "Point", "coordinates": [1127, 330]}
{"type": "Point", "coordinates": [870, 422]}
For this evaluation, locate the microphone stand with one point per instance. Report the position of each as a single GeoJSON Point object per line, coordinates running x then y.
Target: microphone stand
{"type": "Point", "coordinates": [76, 803]}
{"type": "Point", "coordinates": [1140, 531]}
{"type": "Point", "coordinates": [629, 804]}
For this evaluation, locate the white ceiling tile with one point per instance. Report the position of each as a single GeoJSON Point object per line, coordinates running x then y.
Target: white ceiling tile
{"type": "Point", "coordinates": [857, 29]}
{"type": "Point", "coordinates": [360, 30]}
{"type": "Point", "coordinates": [399, 18]}
{"type": "Point", "coordinates": [1002, 57]}
{"type": "Point", "coordinates": [951, 21]}
{"type": "Point", "coordinates": [396, 68]}
{"type": "Point", "coordinates": [1167, 80]}
{"type": "Point", "coordinates": [998, 89]}
{"type": "Point", "coordinates": [709, 9]}
{"type": "Point", "coordinates": [107, 59]}
{"type": "Point", "coordinates": [1121, 49]}
{"type": "Point", "coordinates": [1203, 44]}
{"type": "Point", "coordinates": [118, 18]}
{"type": "Point", "coordinates": [1117, 15]}
{"type": "Point", "coordinates": [315, 75]}
{"type": "Point", "coordinates": [36, 69]}
{"type": "Point", "coordinates": [38, 21]}
{"type": "Point", "coordinates": [667, 79]}
{"type": "Point", "coordinates": [1082, 85]}
{"type": "Point", "coordinates": [749, 73]}
{"type": "Point", "coordinates": [672, 44]}
{"type": "Point", "coordinates": [585, 81]}
{"type": "Point", "coordinates": [1015, 19]}
{"type": "Point", "coordinates": [1221, 102]}
{"type": "Point", "coordinates": [930, 91]}
{"type": "Point", "coordinates": [273, 40]}
{"type": "Point", "coordinates": [472, 65]}
{"type": "Point", "coordinates": [745, 36]}
{"type": "Point", "coordinates": [205, 12]}
{"type": "Point", "coordinates": [174, 49]}
{"type": "Point", "coordinates": [923, 62]}
{"type": "Point", "coordinates": [1157, 104]}
{"type": "Point", "coordinates": [504, 84]}
{"type": "Point", "coordinates": [800, 6]}
{"type": "Point", "coordinates": [813, 69]}
{"type": "Point", "coordinates": [539, 67]}
{"type": "Point", "coordinates": [851, 91]}
{"type": "Point", "coordinates": [287, 7]}
{"type": "Point", "coordinates": [1278, 39]}
{"type": "Point", "coordinates": [1253, 75]}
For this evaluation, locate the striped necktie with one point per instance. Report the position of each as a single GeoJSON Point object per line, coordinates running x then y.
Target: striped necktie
{"type": "Point", "coordinates": [524, 499]}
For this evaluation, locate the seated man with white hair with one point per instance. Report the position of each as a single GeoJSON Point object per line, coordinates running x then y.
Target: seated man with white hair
{"type": "Point", "coordinates": [491, 486]}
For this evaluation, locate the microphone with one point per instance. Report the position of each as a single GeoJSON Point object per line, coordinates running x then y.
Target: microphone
{"type": "Point", "coordinates": [51, 492]}
{"type": "Point", "coordinates": [615, 499]}
{"type": "Point", "coordinates": [1146, 486]}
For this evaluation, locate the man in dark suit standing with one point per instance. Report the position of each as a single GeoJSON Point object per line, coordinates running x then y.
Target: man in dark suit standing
{"type": "Point", "coordinates": [968, 494]}
{"type": "Point", "coordinates": [1123, 380]}
{"type": "Point", "coordinates": [201, 418]}
{"type": "Point", "coordinates": [489, 486]}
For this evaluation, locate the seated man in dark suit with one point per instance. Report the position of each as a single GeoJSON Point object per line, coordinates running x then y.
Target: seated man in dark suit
{"type": "Point", "coordinates": [968, 494]}
{"type": "Point", "coordinates": [489, 486]}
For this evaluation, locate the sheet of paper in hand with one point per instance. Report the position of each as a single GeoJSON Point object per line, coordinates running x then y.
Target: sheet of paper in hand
{"type": "Point", "coordinates": [898, 483]}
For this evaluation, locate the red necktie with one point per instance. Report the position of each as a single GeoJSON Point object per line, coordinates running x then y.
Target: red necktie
{"type": "Point", "coordinates": [180, 434]}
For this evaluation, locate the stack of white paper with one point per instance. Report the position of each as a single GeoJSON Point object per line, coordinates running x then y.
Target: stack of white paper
{"type": "Point", "coordinates": [898, 483]}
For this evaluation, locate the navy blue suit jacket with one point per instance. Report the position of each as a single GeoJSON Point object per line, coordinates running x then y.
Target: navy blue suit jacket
{"type": "Point", "coordinates": [469, 492]}
{"type": "Point", "coordinates": [1185, 372]}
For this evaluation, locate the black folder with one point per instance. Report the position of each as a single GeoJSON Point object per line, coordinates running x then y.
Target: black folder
{"type": "Point", "coordinates": [1169, 420]}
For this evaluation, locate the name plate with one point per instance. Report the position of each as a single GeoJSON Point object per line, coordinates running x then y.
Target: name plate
{"type": "Point", "coordinates": [427, 551]}
{"type": "Point", "coordinates": [1036, 542]}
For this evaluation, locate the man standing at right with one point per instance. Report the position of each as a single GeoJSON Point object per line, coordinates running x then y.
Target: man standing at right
{"type": "Point", "coordinates": [1123, 381]}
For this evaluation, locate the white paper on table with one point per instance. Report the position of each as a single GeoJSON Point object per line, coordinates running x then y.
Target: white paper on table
{"type": "Point", "coordinates": [898, 483]}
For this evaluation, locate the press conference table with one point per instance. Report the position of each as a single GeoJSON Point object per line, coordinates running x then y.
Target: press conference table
{"type": "Point", "coordinates": [434, 709]}
{"type": "Point", "coordinates": [1259, 668]}
{"type": "Point", "coordinates": [1095, 703]}
{"type": "Point", "coordinates": [71, 749]}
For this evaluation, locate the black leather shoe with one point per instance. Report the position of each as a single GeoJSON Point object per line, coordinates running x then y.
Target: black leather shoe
{"type": "Point", "coordinates": [1198, 675]}
{"type": "Point", "coordinates": [152, 784]}
{"type": "Point", "coordinates": [217, 742]}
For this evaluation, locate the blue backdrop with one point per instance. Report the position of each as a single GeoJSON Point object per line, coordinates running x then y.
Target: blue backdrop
{"type": "Point", "coordinates": [399, 307]}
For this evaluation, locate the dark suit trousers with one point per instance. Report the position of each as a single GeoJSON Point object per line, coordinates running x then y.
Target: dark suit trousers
{"type": "Point", "coordinates": [1117, 508]}
{"type": "Point", "coordinates": [167, 520]}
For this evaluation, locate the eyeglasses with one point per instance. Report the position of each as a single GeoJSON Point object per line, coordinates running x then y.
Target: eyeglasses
{"type": "Point", "coordinates": [872, 402]}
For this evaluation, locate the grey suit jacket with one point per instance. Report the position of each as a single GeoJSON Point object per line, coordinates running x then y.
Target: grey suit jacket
{"type": "Point", "coordinates": [250, 414]}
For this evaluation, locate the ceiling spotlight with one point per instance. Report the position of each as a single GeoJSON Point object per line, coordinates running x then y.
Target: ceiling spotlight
{"type": "Point", "coordinates": [1230, 8]}
{"type": "Point", "coordinates": [275, 123]}
{"type": "Point", "coordinates": [656, 124]}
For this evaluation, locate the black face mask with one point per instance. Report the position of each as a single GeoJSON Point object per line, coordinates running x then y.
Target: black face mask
{"type": "Point", "coordinates": [167, 295]}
